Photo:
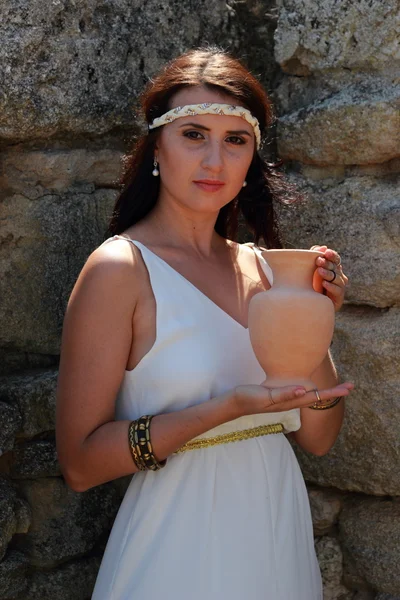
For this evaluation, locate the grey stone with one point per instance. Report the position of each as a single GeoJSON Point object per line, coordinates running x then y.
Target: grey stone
{"type": "Point", "coordinates": [325, 508]}
{"type": "Point", "coordinates": [14, 515]}
{"type": "Point", "coordinates": [386, 597]}
{"type": "Point", "coordinates": [71, 581]}
{"type": "Point", "coordinates": [370, 532]}
{"type": "Point", "coordinates": [355, 126]}
{"type": "Point", "coordinates": [77, 68]}
{"type": "Point", "coordinates": [10, 423]}
{"type": "Point", "coordinates": [65, 524]}
{"type": "Point", "coordinates": [293, 93]}
{"type": "Point", "coordinates": [364, 595]}
{"type": "Point", "coordinates": [330, 561]}
{"type": "Point", "coordinates": [34, 174]}
{"type": "Point", "coordinates": [360, 218]}
{"type": "Point", "coordinates": [314, 35]}
{"type": "Point", "coordinates": [43, 246]}
{"type": "Point", "coordinates": [35, 459]}
{"type": "Point", "coordinates": [13, 575]}
{"type": "Point", "coordinates": [34, 394]}
{"type": "Point", "coordinates": [366, 455]}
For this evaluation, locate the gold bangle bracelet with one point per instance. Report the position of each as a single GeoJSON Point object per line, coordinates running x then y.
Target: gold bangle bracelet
{"type": "Point", "coordinates": [318, 406]}
{"type": "Point", "coordinates": [136, 457]}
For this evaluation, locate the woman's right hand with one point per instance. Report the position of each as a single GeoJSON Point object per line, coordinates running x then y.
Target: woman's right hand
{"type": "Point", "coordinates": [256, 399]}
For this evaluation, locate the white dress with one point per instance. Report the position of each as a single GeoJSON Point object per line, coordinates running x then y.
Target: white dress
{"type": "Point", "coordinates": [227, 522]}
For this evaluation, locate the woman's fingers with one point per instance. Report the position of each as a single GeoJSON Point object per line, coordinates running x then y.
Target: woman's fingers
{"type": "Point", "coordinates": [301, 397]}
{"type": "Point", "coordinates": [254, 399]}
{"type": "Point", "coordinates": [327, 394]}
{"type": "Point", "coordinates": [280, 395]}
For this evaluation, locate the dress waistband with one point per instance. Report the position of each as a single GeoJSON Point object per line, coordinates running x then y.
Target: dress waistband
{"type": "Point", "coordinates": [233, 436]}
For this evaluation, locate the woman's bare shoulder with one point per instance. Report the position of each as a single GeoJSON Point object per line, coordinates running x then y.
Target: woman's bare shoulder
{"type": "Point", "coordinates": [115, 268]}
{"type": "Point", "coordinates": [116, 256]}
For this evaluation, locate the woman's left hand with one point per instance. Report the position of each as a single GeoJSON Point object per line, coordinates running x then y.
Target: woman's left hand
{"type": "Point", "coordinates": [330, 271]}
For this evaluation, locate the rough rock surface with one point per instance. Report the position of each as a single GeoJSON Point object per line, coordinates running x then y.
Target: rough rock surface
{"type": "Point", "coordinates": [14, 575]}
{"type": "Point", "coordinates": [38, 173]}
{"type": "Point", "coordinates": [369, 533]}
{"type": "Point", "coordinates": [366, 455]}
{"type": "Point", "coordinates": [37, 458]}
{"type": "Point", "coordinates": [355, 126]}
{"type": "Point", "coordinates": [10, 423]}
{"type": "Point", "coordinates": [314, 35]}
{"type": "Point", "coordinates": [330, 561]}
{"type": "Point", "coordinates": [71, 581]}
{"type": "Point", "coordinates": [77, 68]}
{"type": "Point", "coordinates": [14, 515]}
{"type": "Point", "coordinates": [44, 246]}
{"type": "Point", "coordinates": [359, 217]}
{"type": "Point", "coordinates": [34, 394]}
{"type": "Point", "coordinates": [65, 523]}
{"type": "Point", "coordinates": [325, 508]}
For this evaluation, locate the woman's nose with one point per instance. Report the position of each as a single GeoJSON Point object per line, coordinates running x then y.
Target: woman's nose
{"type": "Point", "coordinates": [213, 156]}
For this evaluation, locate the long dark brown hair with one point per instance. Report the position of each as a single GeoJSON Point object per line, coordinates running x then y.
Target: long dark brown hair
{"type": "Point", "coordinates": [214, 69]}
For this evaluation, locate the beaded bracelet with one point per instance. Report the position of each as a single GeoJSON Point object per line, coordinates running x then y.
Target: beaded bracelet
{"type": "Point", "coordinates": [140, 445]}
{"type": "Point", "coordinates": [318, 406]}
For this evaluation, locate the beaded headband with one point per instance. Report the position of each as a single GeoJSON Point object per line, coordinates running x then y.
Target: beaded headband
{"type": "Point", "coordinates": [209, 108]}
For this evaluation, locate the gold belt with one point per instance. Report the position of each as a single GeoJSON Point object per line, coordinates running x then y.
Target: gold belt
{"type": "Point", "coordinates": [233, 436]}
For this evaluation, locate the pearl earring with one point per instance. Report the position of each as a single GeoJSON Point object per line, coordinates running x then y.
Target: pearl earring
{"type": "Point", "coordinates": [244, 183]}
{"type": "Point", "coordinates": [155, 171]}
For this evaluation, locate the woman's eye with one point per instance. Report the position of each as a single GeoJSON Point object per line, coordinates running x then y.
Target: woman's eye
{"type": "Point", "coordinates": [235, 139]}
{"type": "Point", "coordinates": [193, 135]}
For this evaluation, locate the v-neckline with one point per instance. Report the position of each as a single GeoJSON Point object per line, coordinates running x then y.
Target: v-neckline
{"type": "Point", "coordinates": [190, 284]}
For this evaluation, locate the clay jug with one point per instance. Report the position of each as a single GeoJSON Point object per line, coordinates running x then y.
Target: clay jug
{"type": "Point", "coordinates": [291, 325]}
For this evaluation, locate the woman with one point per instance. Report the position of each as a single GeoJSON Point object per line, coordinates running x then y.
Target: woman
{"type": "Point", "coordinates": [157, 325]}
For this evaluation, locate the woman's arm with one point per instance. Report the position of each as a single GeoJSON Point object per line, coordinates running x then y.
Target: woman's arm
{"type": "Point", "coordinates": [97, 336]}
{"type": "Point", "coordinates": [320, 428]}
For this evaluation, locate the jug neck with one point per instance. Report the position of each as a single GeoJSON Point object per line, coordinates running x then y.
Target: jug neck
{"type": "Point", "coordinates": [292, 267]}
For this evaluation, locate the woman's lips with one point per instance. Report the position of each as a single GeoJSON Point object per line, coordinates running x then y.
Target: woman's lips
{"type": "Point", "coordinates": [209, 185]}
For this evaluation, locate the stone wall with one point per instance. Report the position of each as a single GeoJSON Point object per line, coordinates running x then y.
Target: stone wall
{"type": "Point", "coordinates": [70, 73]}
{"type": "Point", "coordinates": [338, 98]}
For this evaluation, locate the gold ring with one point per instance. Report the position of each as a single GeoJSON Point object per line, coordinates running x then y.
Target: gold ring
{"type": "Point", "coordinates": [317, 394]}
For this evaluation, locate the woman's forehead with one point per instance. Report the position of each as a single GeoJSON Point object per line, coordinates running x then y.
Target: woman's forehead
{"type": "Point", "coordinates": [200, 95]}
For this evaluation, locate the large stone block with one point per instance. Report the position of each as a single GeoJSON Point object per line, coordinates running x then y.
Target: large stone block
{"type": "Point", "coordinates": [43, 245]}
{"type": "Point", "coordinates": [355, 126]}
{"type": "Point", "coordinates": [35, 174]}
{"type": "Point", "coordinates": [72, 581]}
{"type": "Point", "coordinates": [370, 533]}
{"type": "Point", "coordinates": [34, 394]}
{"type": "Point", "coordinates": [359, 217]}
{"type": "Point", "coordinates": [77, 67]}
{"type": "Point", "coordinates": [14, 515]}
{"type": "Point", "coordinates": [10, 423]}
{"type": "Point", "coordinates": [366, 455]}
{"type": "Point", "coordinates": [325, 508]}
{"type": "Point", "coordinates": [65, 523]}
{"type": "Point", "coordinates": [330, 561]}
{"type": "Point", "coordinates": [14, 573]}
{"type": "Point", "coordinates": [37, 458]}
{"type": "Point", "coordinates": [315, 35]}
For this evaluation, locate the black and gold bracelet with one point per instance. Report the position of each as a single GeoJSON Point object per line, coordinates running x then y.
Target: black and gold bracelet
{"type": "Point", "coordinates": [136, 457]}
{"type": "Point", "coordinates": [318, 406]}
{"type": "Point", "coordinates": [142, 444]}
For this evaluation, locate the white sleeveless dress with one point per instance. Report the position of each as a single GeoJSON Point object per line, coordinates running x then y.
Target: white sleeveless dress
{"type": "Point", "coordinates": [227, 522]}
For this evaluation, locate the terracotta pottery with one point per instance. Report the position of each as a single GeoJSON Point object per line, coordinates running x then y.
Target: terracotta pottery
{"type": "Point", "coordinates": [291, 325]}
